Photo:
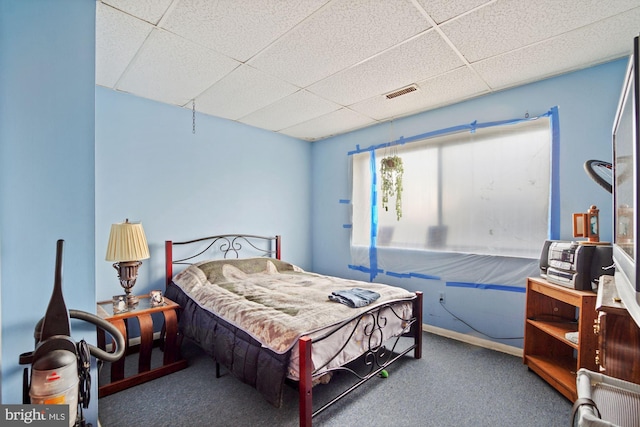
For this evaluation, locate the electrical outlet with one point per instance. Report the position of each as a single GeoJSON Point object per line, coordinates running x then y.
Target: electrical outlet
{"type": "Point", "coordinates": [442, 297]}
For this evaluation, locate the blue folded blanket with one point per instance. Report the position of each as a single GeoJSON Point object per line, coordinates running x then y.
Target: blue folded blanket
{"type": "Point", "coordinates": [355, 297]}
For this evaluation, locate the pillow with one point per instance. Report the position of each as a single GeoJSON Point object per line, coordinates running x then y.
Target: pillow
{"type": "Point", "coordinates": [215, 270]}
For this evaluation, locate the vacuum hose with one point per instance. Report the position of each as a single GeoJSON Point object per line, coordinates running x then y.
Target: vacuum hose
{"type": "Point", "coordinates": [108, 327]}
{"type": "Point", "coordinates": [102, 324]}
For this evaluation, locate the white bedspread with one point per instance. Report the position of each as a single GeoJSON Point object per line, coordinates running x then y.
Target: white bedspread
{"type": "Point", "coordinates": [275, 302]}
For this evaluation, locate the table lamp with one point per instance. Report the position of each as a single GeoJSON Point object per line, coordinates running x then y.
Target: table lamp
{"type": "Point", "coordinates": [127, 246]}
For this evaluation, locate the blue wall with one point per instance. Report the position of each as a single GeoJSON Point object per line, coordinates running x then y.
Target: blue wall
{"type": "Point", "coordinates": [147, 165]}
{"type": "Point", "coordinates": [47, 87]}
{"type": "Point", "coordinates": [225, 178]}
{"type": "Point", "coordinates": [587, 101]}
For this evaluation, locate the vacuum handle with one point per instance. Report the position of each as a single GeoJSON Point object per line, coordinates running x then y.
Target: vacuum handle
{"type": "Point", "coordinates": [108, 327]}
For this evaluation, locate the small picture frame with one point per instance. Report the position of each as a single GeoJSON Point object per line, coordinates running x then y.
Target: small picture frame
{"type": "Point", "coordinates": [156, 298]}
{"type": "Point", "coordinates": [587, 225]}
{"type": "Point", "coordinates": [120, 304]}
{"type": "Point", "coordinates": [580, 221]}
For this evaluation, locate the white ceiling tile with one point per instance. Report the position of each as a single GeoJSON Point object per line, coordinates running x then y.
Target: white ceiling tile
{"type": "Point", "coordinates": [596, 43]}
{"type": "Point", "coordinates": [336, 122]}
{"type": "Point", "coordinates": [418, 59]}
{"type": "Point", "coordinates": [298, 107]}
{"type": "Point", "coordinates": [352, 52]}
{"type": "Point", "coordinates": [339, 35]}
{"type": "Point", "coordinates": [442, 10]}
{"type": "Point", "coordinates": [148, 10]}
{"type": "Point", "coordinates": [173, 70]}
{"type": "Point", "coordinates": [241, 92]}
{"type": "Point", "coordinates": [120, 37]}
{"type": "Point", "coordinates": [238, 28]}
{"type": "Point", "coordinates": [511, 24]}
{"type": "Point", "coordinates": [451, 87]}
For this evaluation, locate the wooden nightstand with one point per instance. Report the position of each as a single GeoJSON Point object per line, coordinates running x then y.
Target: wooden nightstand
{"type": "Point", "coordinates": [169, 342]}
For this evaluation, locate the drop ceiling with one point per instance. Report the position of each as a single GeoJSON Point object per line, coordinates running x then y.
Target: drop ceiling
{"type": "Point", "coordinates": [312, 69]}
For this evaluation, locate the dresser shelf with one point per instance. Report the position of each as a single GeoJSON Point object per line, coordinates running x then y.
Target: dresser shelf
{"type": "Point", "coordinates": [552, 311]}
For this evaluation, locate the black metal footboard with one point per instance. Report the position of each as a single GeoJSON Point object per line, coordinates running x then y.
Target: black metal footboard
{"type": "Point", "coordinates": [377, 357]}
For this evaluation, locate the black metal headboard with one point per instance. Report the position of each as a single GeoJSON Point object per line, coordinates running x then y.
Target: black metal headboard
{"type": "Point", "coordinates": [227, 245]}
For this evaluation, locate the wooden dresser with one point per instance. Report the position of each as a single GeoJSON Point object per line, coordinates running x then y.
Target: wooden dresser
{"type": "Point", "coordinates": [618, 353]}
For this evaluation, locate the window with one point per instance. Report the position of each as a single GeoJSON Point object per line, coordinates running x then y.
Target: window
{"type": "Point", "coordinates": [482, 192]}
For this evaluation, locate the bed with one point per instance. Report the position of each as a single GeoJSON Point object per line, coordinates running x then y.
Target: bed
{"type": "Point", "coordinates": [270, 323]}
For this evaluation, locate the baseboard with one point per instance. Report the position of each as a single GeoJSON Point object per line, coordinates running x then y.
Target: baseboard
{"type": "Point", "coordinates": [480, 342]}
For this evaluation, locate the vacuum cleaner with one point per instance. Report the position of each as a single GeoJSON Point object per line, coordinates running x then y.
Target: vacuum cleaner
{"type": "Point", "coordinates": [60, 367]}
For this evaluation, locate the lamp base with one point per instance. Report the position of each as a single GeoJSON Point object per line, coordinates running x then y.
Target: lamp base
{"type": "Point", "coordinates": [128, 273]}
{"type": "Point", "coordinates": [132, 300]}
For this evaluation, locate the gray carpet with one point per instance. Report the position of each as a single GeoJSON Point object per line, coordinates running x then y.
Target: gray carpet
{"type": "Point", "coordinates": [454, 384]}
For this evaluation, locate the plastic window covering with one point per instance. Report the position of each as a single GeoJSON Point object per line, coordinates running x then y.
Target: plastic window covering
{"type": "Point", "coordinates": [434, 243]}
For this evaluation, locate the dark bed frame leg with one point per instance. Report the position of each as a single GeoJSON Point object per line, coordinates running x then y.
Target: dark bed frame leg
{"type": "Point", "coordinates": [305, 385]}
{"type": "Point", "coordinates": [417, 331]}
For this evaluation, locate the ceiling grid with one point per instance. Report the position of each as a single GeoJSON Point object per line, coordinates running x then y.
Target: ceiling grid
{"type": "Point", "coordinates": [319, 68]}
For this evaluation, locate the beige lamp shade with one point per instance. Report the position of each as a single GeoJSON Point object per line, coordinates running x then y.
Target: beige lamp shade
{"type": "Point", "coordinates": [127, 242]}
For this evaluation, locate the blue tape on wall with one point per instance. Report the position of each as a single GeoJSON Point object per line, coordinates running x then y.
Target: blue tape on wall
{"type": "Point", "coordinates": [471, 127]}
{"type": "Point", "coordinates": [487, 286]}
{"type": "Point", "coordinates": [347, 225]}
{"type": "Point", "coordinates": [425, 276]}
{"type": "Point", "coordinates": [373, 250]}
{"type": "Point", "coordinates": [345, 201]}
{"type": "Point", "coordinates": [363, 268]}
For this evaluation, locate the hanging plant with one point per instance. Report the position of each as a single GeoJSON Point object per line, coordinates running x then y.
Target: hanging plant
{"type": "Point", "coordinates": [391, 172]}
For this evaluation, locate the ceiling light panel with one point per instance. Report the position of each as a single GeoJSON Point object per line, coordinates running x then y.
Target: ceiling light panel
{"type": "Point", "coordinates": [173, 70]}
{"type": "Point", "coordinates": [120, 37]}
{"type": "Point", "coordinates": [338, 36]}
{"type": "Point", "coordinates": [454, 86]}
{"type": "Point", "coordinates": [511, 24]}
{"type": "Point", "coordinates": [418, 59]}
{"type": "Point", "coordinates": [336, 122]}
{"type": "Point", "coordinates": [238, 28]}
{"type": "Point", "coordinates": [241, 92]}
{"type": "Point", "coordinates": [296, 108]}
{"type": "Point", "coordinates": [590, 45]}
{"type": "Point", "coordinates": [148, 10]}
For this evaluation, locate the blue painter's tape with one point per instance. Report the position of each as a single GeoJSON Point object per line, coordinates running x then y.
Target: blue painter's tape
{"type": "Point", "coordinates": [362, 268]}
{"type": "Point", "coordinates": [425, 276]}
{"type": "Point", "coordinates": [373, 250]}
{"type": "Point", "coordinates": [358, 268]}
{"type": "Point", "coordinates": [347, 225]}
{"type": "Point", "coordinates": [471, 127]}
{"type": "Point", "coordinates": [486, 286]}
{"type": "Point", "coordinates": [359, 150]}
{"type": "Point", "coordinates": [345, 201]}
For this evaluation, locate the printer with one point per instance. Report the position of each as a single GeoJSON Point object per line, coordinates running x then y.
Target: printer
{"type": "Point", "coordinates": [576, 265]}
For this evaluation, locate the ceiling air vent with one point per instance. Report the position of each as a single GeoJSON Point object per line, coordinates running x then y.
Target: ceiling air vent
{"type": "Point", "coordinates": [402, 91]}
